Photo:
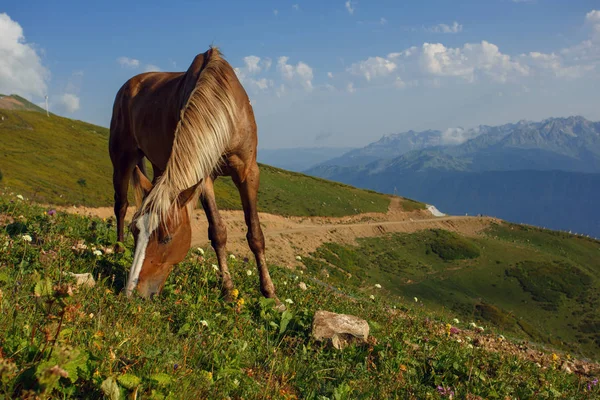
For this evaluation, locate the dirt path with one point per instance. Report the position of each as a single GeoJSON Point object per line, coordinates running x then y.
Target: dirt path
{"type": "Point", "coordinates": [288, 237]}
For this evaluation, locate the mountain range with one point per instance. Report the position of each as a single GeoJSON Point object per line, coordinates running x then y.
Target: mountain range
{"type": "Point", "coordinates": [544, 173]}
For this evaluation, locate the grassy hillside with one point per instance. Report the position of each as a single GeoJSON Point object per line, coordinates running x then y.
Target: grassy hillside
{"type": "Point", "coordinates": [63, 341]}
{"type": "Point", "coordinates": [532, 283]}
{"type": "Point", "coordinates": [61, 161]}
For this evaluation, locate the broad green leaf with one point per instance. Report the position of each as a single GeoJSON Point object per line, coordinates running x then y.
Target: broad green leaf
{"type": "Point", "coordinates": [111, 389]}
{"type": "Point", "coordinates": [129, 381]}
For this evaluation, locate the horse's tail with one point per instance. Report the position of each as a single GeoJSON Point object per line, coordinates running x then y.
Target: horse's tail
{"type": "Point", "coordinates": [201, 136]}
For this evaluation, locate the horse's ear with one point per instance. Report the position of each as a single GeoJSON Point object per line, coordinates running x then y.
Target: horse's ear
{"type": "Point", "coordinates": [141, 181]}
{"type": "Point", "coordinates": [187, 195]}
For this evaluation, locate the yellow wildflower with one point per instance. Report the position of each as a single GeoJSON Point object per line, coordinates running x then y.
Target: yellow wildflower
{"type": "Point", "coordinates": [235, 293]}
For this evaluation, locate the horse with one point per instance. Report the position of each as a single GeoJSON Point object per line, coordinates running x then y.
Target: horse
{"type": "Point", "coordinates": [193, 127]}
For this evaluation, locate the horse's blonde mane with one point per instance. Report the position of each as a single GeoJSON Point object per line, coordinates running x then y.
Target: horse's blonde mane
{"type": "Point", "coordinates": [201, 138]}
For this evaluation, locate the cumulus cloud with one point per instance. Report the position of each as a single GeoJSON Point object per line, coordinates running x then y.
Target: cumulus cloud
{"type": "Point", "coordinates": [127, 62]}
{"type": "Point", "coordinates": [443, 28]}
{"type": "Point", "coordinates": [300, 73]}
{"type": "Point", "coordinates": [151, 68]}
{"type": "Point", "coordinates": [454, 136]}
{"type": "Point", "coordinates": [70, 102]}
{"type": "Point", "coordinates": [254, 65]}
{"type": "Point", "coordinates": [350, 6]}
{"type": "Point", "coordinates": [373, 67]}
{"type": "Point", "coordinates": [21, 69]}
{"type": "Point", "coordinates": [330, 75]}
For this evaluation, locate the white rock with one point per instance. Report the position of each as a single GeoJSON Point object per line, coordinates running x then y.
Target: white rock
{"type": "Point", "coordinates": [341, 329]}
{"type": "Point", "coordinates": [83, 279]}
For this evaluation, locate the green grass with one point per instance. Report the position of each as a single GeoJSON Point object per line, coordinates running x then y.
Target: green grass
{"type": "Point", "coordinates": [58, 341]}
{"type": "Point", "coordinates": [61, 161]}
{"type": "Point", "coordinates": [536, 284]}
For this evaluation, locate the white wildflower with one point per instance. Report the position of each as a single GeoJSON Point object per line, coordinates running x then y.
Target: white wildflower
{"type": "Point", "coordinates": [232, 257]}
{"type": "Point", "coordinates": [200, 250]}
{"type": "Point", "coordinates": [285, 283]}
{"type": "Point", "coordinates": [469, 346]}
{"type": "Point", "coordinates": [204, 323]}
{"type": "Point", "coordinates": [456, 321]}
{"type": "Point", "coordinates": [215, 267]}
{"type": "Point", "coordinates": [501, 337]}
{"type": "Point", "coordinates": [97, 253]}
{"type": "Point", "coordinates": [481, 328]}
{"type": "Point", "coordinates": [468, 338]}
{"type": "Point", "coordinates": [378, 286]}
{"type": "Point", "coordinates": [301, 272]}
{"type": "Point", "coordinates": [20, 197]}
{"type": "Point", "coordinates": [236, 382]}
{"type": "Point", "coordinates": [302, 286]}
{"type": "Point", "coordinates": [289, 301]}
{"type": "Point", "coordinates": [91, 315]}
{"type": "Point", "coordinates": [298, 258]}
{"type": "Point", "coordinates": [459, 340]}
{"type": "Point", "coordinates": [473, 324]}
{"type": "Point", "coordinates": [248, 272]}
{"type": "Point", "coordinates": [27, 238]}
{"type": "Point", "coordinates": [372, 297]}
{"type": "Point", "coordinates": [416, 300]}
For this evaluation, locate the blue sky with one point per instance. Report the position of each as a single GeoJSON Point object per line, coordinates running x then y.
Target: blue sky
{"type": "Point", "coordinates": [320, 73]}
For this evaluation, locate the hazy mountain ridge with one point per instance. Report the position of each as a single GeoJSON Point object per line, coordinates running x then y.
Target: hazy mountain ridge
{"type": "Point", "coordinates": [542, 173]}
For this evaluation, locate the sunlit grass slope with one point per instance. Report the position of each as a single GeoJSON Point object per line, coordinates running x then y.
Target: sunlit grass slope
{"type": "Point", "coordinates": [61, 161]}
{"type": "Point", "coordinates": [536, 284]}
{"type": "Point", "coordinates": [61, 341]}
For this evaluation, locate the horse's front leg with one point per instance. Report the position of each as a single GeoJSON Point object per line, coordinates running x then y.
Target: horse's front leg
{"type": "Point", "coordinates": [217, 233]}
{"type": "Point", "coordinates": [248, 189]}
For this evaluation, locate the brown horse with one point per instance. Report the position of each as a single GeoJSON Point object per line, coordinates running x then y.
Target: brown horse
{"type": "Point", "coordinates": [192, 126]}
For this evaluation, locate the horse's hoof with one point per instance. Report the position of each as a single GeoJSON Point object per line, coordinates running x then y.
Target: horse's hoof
{"type": "Point", "coordinates": [279, 306]}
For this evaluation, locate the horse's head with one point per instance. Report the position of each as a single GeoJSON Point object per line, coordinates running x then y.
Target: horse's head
{"type": "Point", "coordinates": [158, 248]}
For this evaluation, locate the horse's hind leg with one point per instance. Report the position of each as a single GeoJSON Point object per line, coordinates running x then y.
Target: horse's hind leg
{"type": "Point", "coordinates": [123, 166]}
{"type": "Point", "coordinates": [217, 233]}
{"type": "Point", "coordinates": [248, 188]}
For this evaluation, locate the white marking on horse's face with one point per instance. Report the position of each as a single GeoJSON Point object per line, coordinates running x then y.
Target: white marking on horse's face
{"type": "Point", "coordinates": [140, 254]}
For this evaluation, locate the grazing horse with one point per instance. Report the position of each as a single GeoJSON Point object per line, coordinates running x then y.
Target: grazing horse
{"type": "Point", "coordinates": [192, 126]}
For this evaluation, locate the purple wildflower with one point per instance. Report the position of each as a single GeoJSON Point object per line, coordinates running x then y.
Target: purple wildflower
{"type": "Point", "coordinates": [592, 383]}
{"type": "Point", "coordinates": [52, 212]}
{"type": "Point", "coordinates": [175, 366]}
{"type": "Point", "coordinates": [445, 391]}
{"type": "Point", "coordinates": [454, 330]}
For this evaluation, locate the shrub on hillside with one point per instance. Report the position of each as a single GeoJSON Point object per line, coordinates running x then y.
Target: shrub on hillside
{"type": "Point", "coordinates": [449, 246]}
{"type": "Point", "coordinates": [548, 282]}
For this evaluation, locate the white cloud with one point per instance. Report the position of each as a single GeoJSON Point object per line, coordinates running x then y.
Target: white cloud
{"type": "Point", "coordinates": [70, 102]}
{"type": "Point", "coordinates": [127, 62]}
{"type": "Point", "coordinates": [453, 136]}
{"type": "Point", "coordinates": [252, 64]}
{"type": "Point", "coordinates": [350, 6]}
{"type": "Point", "coordinates": [296, 7]}
{"type": "Point", "coordinates": [373, 67]}
{"type": "Point", "coordinates": [151, 68]}
{"type": "Point", "coordinates": [21, 69]}
{"type": "Point", "coordinates": [330, 75]}
{"type": "Point", "coordinates": [470, 62]}
{"type": "Point", "coordinates": [443, 28]}
{"type": "Point", "coordinates": [382, 21]}
{"type": "Point", "coordinates": [350, 87]}
{"type": "Point", "coordinates": [301, 72]}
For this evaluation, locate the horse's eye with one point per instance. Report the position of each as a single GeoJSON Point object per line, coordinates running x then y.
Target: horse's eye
{"type": "Point", "coordinates": [166, 240]}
